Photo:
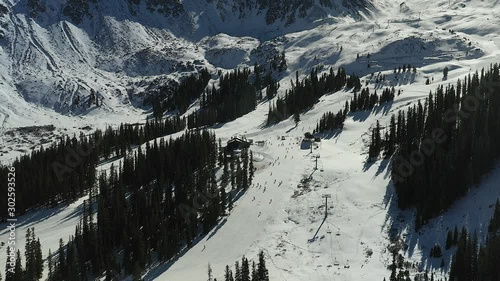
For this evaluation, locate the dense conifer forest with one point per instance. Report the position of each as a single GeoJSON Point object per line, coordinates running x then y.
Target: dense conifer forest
{"type": "Point", "coordinates": [157, 202]}
{"type": "Point", "coordinates": [65, 170]}
{"type": "Point", "coordinates": [304, 94]}
{"type": "Point", "coordinates": [165, 194]}
{"type": "Point", "coordinates": [367, 101]}
{"type": "Point", "coordinates": [331, 121]}
{"type": "Point", "coordinates": [234, 97]}
{"type": "Point", "coordinates": [180, 97]}
{"type": "Point", "coordinates": [445, 145]}
{"type": "Point", "coordinates": [473, 261]}
{"type": "Point", "coordinates": [244, 270]}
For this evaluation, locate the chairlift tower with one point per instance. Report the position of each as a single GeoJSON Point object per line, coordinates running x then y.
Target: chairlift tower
{"type": "Point", "coordinates": [326, 196]}
{"type": "Point", "coordinates": [316, 167]}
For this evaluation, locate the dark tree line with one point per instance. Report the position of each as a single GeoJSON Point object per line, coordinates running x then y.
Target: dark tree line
{"type": "Point", "coordinates": [383, 140]}
{"type": "Point", "coordinates": [116, 142]}
{"type": "Point", "coordinates": [245, 272]}
{"type": "Point", "coordinates": [445, 146]}
{"type": "Point", "coordinates": [77, 10]}
{"type": "Point", "coordinates": [332, 121]}
{"type": "Point", "coordinates": [475, 262]}
{"type": "Point", "coordinates": [181, 96]}
{"type": "Point", "coordinates": [367, 101]}
{"type": "Point", "coordinates": [33, 269]}
{"type": "Point", "coordinates": [264, 80]}
{"type": "Point", "coordinates": [65, 170]}
{"type": "Point", "coordinates": [375, 143]}
{"type": "Point", "coordinates": [47, 176]}
{"type": "Point", "coordinates": [278, 62]}
{"type": "Point", "coordinates": [87, 102]}
{"type": "Point", "coordinates": [405, 67]}
{"type": "Point", "coordinates": [155, 203]}
{"type": "Point", "coordinates": [304, 94]}
{"type": "Point", "coordinates": [363, 101]}
{"type": "Point", "coordinates": [471, 261]}
{"type": "Point", "coordinates": [436, 251]}
{"type": "Point", "coordinates": [234, 97]}
{"type": "Point", "coordinates": [451, 238]}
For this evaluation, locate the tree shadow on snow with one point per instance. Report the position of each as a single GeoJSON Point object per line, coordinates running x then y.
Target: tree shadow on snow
{"type": "Point", "coordinates": [368, 164]}
{"type": "Point", "coordinates": [473, 212]}
{"type": "Point", "coordinates": [331, 134]}
{"type": "Point", "coordinates": [360, 116]}
{"type": "Point", "coordinates": [217, 228]}
{"type": "Point", "coordinates": [41, 214]}
{"type": "Point", "coordinates": [158, 268]}
{"type": "Point", "coordinates": [289, 130]}
{"type": "Point", "coordinates": [384, 108]}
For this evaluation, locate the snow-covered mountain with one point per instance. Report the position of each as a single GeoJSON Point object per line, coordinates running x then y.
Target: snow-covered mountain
{"type": "Point", "coordinates": [51, 53]}
{"type": "Point", "coordinates": [54, 50]}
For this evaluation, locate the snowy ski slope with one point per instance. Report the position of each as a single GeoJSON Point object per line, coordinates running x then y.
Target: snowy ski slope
{"type": "Point", "coordinates": [285, 215]}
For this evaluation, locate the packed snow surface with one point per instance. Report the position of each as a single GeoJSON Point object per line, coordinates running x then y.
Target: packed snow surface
{"type": "Point", "coordinates": [284, 208]}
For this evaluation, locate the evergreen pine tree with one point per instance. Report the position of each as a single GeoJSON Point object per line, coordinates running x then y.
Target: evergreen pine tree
{"type": "Point", "coordinates": [209, 271]}
{"type": "Point", "coordinates": [233, 172]}
{"type": "Point", "coordinates": [136, 272]}
{"type": "Point", "coordinates": [228, 275]}
{"type": "Point", "coordinates": [38, 257]}
{"type": "Point", "coordinates": [50, 266]}
{"type": "Point", "coordinates": [251, 169]}
{"type": "Point", "coordinates": [390, 142]}
{"type": "Point", "coordinates": [296, 118]}
{"type": "Point", "coordinates": [245, 270]}
{"type": "Point", "coordinates": [445, 72]}
{"type": "Point", "coordinates": [221, 154]}
{"type": "Point", "coordinates": [29, 256]}
{"type": "Point", "coordinates": [9, 270]}
{"type": "Point", "coordinates": [230, 200]}
{"type": "Point", "coordinates": [239, 174]}
{"type": "Point", "coordinates": [61, 265]}
{"type": "Point", "coordinates": [261, 268]}
{"type": "Point", "coordinates": [255, 276]}
{"type": "Point", "coordinates": [237, 272]}
{"type": "Point", "coordinates": [18, 269]}
{"type": "Point", "coordinates": [375, 145]}
{"type": "Point", "coordinates": [223, 197]}
{"type": "Point", "coordinates": [245, 173]}
{"type": "Point", "coordinates": [449, 240]}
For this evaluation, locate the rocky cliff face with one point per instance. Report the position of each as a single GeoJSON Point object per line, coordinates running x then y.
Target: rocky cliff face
{"type": "Point", "coordinates": [55, 51]}
{"type": "Point", "coordinates": [284, 11]}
